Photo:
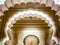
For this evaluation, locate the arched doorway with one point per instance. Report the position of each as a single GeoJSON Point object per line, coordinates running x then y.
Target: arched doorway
{"type": "Point", "coordinates": [31, 40]}
{"type": "Point", "coordinates": [30, 26]}
{"type": "Point", "coordinates": [30, 4]}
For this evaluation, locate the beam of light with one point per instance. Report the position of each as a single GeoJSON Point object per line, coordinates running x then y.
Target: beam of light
{"type": "Point", "coordinates": [33, 12]}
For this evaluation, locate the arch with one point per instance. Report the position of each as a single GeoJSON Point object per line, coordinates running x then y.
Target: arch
{"type": "Point", "coordinates": [32, 13]}
{"type": "Point", "coordinates": [32, 36]}
{"type": "Point", "coordinates": [28, 13]}
{"type": "Point", "coordinates": [5, 6]}
{"type": "Point", "coordinates": [12, 3]}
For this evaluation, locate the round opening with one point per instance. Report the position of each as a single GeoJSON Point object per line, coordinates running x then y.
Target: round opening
{"type": "Point", "coordinates": [31, 40]}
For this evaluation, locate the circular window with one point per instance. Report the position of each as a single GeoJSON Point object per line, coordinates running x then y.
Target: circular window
{"type": "Point", "coordinates": [31, 40]}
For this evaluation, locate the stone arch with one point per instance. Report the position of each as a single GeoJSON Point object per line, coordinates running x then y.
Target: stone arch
{"type": "Point", "coordinates": [31, 36]}
{"type": "Point", "coordinates": [11, 3]}
{"type": "Point", "coordinates": [28, 13]}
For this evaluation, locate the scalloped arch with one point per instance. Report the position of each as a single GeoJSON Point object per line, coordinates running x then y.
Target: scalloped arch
{"type": "Point", "coordinates": [28, 13]}
{"type": "Point", "coordinates": [10, 3]}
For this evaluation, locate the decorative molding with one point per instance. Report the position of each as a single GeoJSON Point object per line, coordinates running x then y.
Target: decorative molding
{"type": "Point", "coordinates": [49, 3]}
{"type": "Point", "coordinates": [9, 3]}
{"type": "Point", "coordinates": [1, 14]}
{"type": "Point", "coordinates": [3, 8]}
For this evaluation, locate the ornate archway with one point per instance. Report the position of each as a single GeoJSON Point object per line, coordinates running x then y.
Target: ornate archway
{"type": "Point", "coordinates": [14, 4]}
{"type": "Point", "coordinates": [30, 25]}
